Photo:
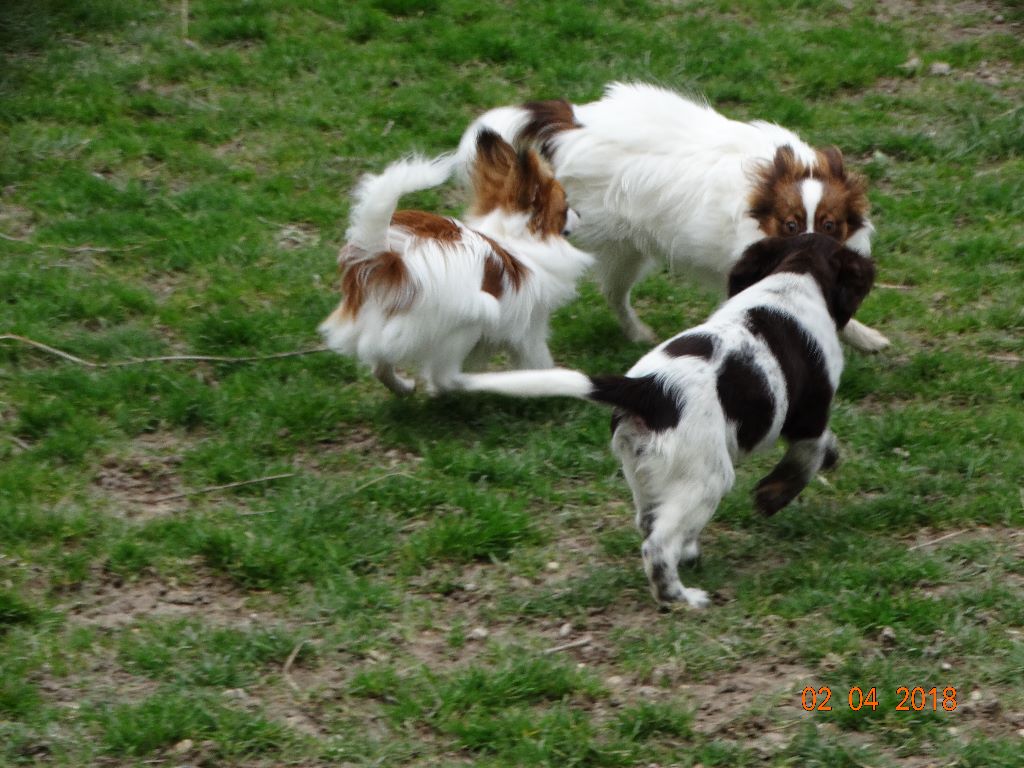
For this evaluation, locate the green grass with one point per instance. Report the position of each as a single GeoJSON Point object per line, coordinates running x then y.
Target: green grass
{"type": "Point", "coordinates": [457, 581]}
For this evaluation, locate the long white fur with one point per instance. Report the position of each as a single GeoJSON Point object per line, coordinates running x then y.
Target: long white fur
{"type": "Point", "coordinates": [656, 175]}
{"type": "Point", "coordinates": [450, 317]}
{"type": "Point", "coordinates": [679, 475]}
{"type": "Point", "coordinates": [376, 197]}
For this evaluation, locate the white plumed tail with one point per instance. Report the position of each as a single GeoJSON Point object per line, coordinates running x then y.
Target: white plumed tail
{"type": "Point", "coordinates": [376, 197]}
{"type": "Point", "coordinates": [551, 382]}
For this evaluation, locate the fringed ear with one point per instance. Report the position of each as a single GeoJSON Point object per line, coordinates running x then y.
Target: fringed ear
{"type": "Point", "coordinates": [853, 282]}
{"type": "Point", "coordinates": [494, 162]}
{"type": "Point", "coordinates": [831, 159]}
{"type": "Point", "coordinates": [757, 262]}
{"type": "Point", "coordinates": [528, 177]}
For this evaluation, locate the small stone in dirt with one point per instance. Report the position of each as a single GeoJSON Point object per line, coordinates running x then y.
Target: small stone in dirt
{"type": "Point", "coordinates": [940, 68]}
{"type": "Point", "coordinates": [831, 662]}
{"type": "Point", "coordinates": [615, 681]}
{"type": "Point", "coordinates": [478, 633]}
{"type": "Point", "coordinates": [553, 566]}
{"type": "Point", "coordinates": [887, 636]}
{"type": "Point", "coordinates": [469, 586]}
{"type": "Point", "coordinates": [183, 746]}
{"type": "Point", "coordinates": [565, 630]}
{"type": "Point", "coordinates": [945, 666]}
{"type": "Point", "coordinates": [999, 18]}
{"type": "Point", "coordinates": [235, 694]}
{"type": "Point", "coordinates": [911, 64]}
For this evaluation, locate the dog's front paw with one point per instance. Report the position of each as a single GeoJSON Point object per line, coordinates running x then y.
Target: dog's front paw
{"type": "Point", "coordinates": [695, 598]}
{"type": "Point", "coordinates": [772, 496]}
{"type": "Point", "coordinates": [864, 338]}
{"type": "Point", "coordinates": [640, 333]}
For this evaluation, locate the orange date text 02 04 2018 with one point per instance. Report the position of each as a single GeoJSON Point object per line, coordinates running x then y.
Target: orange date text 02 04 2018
{"type": "Point", "coordinates": [916, 699]}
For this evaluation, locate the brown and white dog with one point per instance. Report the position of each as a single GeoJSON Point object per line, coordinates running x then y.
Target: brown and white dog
{"type": "Point", "coordinates": [765, 365]}
{"type": "Point", "coordinates": [656, 175]}
{"type": "Point", "coordinates": [425, 291]}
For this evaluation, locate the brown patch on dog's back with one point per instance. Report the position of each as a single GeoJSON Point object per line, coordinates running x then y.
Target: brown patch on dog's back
{"type": "Point", "coordinates": [547, 118]}
{"type": "Point", "coordinates": [383, 274]}
{"type": "Point", "coordinates": [427, 225]}
{"type": "Point", "coordinates": [517, 182]}
{"type": "Point", "coordinates": [699, 345]}
{"type": "Point", "coordinates": [499, 266]}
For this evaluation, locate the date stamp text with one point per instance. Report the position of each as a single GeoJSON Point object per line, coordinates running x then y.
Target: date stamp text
{"type": "Point", "coordinates": [916, 699]}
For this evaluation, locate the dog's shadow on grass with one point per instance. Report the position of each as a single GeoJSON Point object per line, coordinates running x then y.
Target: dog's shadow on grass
{"type": "Point", "coordinates": [472, 417]}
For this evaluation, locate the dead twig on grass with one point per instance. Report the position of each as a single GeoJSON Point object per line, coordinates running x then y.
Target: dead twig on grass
{"type": "Point", "coordinates": [924, 544]}
{"type": "Point", "coordinates": [158, 359]}
{"type": "Point", "coordinates": [286, 669]}
{"type": "Point", "coordinates": [586, 640]}
{"type": "Point", "coordinates": [74, 248]}
{"type": "Point", "coordinates": [214, 488]}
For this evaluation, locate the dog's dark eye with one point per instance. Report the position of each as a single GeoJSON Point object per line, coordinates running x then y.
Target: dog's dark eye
{"type": "Point", "coordinates": [829, 227]}
{"type": "Point", "coordinates": [791, 226]}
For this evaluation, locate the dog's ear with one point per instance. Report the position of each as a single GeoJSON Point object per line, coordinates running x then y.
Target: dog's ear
{"type": "Point", "coordinates": [528, 179]}
{"type": "Point", "coordinates": [757, 262]}
{"type": "Point", "coordinates": [495, 158]}
{"type": "Point", "coordinates": [854, 278]}
{"type": "Point", "coordinates": [831, 160]}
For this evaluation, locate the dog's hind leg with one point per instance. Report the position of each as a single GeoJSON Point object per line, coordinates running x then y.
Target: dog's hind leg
{"type": "Point", "coordinates": [671, 526]}
{"type": "Point", "coordinates": [618, 268]}
{"type": "Point", "coordinates": [794, 471]}
{"type": "Point", "coordinates": [442, 371]}
{"type": "Point", "coordinates": [532, 353]}
{"type": "Point", "coordinates": [385, 372]}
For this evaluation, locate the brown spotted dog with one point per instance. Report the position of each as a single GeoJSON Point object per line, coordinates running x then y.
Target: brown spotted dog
{"type": "Point", "coordinates": [765, 365]}
{"type": "Point", "coordinates": [426, 292]}
{"type": "Point", "coordinates": [656, 175]}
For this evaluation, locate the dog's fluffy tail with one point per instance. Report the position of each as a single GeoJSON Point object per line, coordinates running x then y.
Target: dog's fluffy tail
{"type": "Point", "coordinates": [645, 397]}
{"type": "Point", "coordinates": [376, 197]}
{"type": "Point", "coordinates": [533, 124]}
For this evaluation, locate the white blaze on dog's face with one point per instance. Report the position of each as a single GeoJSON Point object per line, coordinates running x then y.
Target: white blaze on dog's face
{"type": "Point", "coordinates": [791, 198]}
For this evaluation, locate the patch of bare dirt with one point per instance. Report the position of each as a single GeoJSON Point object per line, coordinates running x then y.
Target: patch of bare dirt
{"type": "Point", "coordinates": [97, 678]}
{"type": "Point", "coordinates": [142, 482]}
{"type": "Point", "coordinates": [15, 221]}
{"type": "Point", "coordinates": [358, 444]}
{"type": "Point", "coordinates": [292, 237]}
{"type": "Point", "coordinates": [952, 20]}
{"type": "Point", "coordinates": [114, 603]}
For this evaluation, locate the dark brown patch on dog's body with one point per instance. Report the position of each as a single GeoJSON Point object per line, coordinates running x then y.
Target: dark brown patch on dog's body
{"type": "Point", "coordinates": [547, 118]}
{"type": "Point", "coordinates": [691, 344]}
{"type": "Point", "coordinates": [645, 397]}
{"type": "Point", "coordinates": [517, 182]}
{"type": "Point", "coordinates": [776, 202]}
{"type": "Point", "coordinates": [428, 225]}
{"type": "Point", "coordinates": [382, 274]}
{"type": "Point", "coordinates": [746, 399]}
{"type": "Point", "coordinates": [501, 268]}
{"type": "Point", "coordinates": [808, 389]}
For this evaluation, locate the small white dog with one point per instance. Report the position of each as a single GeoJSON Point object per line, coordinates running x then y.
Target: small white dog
{"type": "Point", "coordinates": [653, 174]}
{"type": "Point", "coordinates": [765, 365]}
{"type": "Point", "coordinates": [427, 291]}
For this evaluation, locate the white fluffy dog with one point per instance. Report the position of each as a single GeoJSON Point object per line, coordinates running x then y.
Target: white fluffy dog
{"type": "Point", "coordinates": [654, 174]}
{"type": "Point", "coordinates": [765, 365]}
{"type": "Point", "coordinates": [426, 291]}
